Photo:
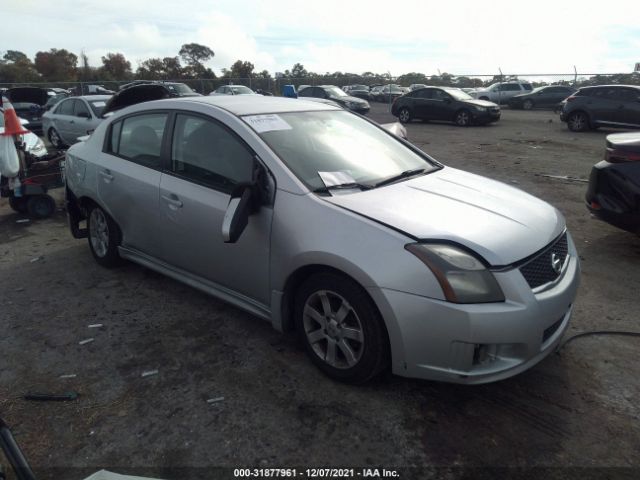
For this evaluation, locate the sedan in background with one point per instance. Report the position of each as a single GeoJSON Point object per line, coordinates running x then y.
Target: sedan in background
{"type": "Point", "coordinates": [381, 258]}
{"type": "Point", "coordinates": [72, 118]}
{"type": "Point", "coordinates": [445, 104]}
{"type": "Point", "coordinates": [542, 97]}
{"type": "Point", "coordinates": [360, 91]}
{"type": "Point", "coordinates": [233, 90]}
{"type": "Point", "coordinates": [331, 92]}
{"type": "Point", "coordinates": [615, 106]}
{"type": "Point", "coordinates": [390, 92]}
{"type": "Point", "coordinates": [613, 194]}
{"type": "Point", "coordinates": [28, 103]}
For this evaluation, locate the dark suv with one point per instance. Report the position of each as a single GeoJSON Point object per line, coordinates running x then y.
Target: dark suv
{"type": "Point", "coordinates": [615, 106]}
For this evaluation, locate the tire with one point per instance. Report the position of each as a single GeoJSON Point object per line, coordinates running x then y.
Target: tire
{"type": "Point", "coordinates": [578, 122]}
{"type": "Point", "coordinates": [527, 104]}
{"type": "Point", "coordinates": [462, 118]}
{"type": "Point", "coordinates": [40, 206]}
{"type": "Point", "coordinates": [18, 204]}
{"type": "Point", "coordinates": [55, 139]}
{"type": "Point", "coordinates": [104, 237]}
{"type": "Point", "coordinates": [341, 328]}
{"type": "Point", "coordinates": [404, 115]}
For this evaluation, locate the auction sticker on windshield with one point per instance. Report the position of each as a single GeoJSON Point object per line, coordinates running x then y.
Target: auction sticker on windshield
{"type": "Point", "coordinates": [266, 123]}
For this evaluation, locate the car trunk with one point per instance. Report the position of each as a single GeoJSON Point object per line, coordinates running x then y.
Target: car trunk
{"type": "Point", "coordinates": [134, 95]}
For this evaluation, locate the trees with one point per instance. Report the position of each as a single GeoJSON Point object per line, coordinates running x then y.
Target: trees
{"type": "Point", "coordinates": [57, 65]}
{"type": "Point", "coordinates": [298, 71]}
{"type": "Point", "coordinates": [194, 55]}
{"type": "Point", "coordinates": [167, 68]}
{"type": "Point", "coordinates": [15, 67]}
{"type": "Point", "coordinates": [115, 67]}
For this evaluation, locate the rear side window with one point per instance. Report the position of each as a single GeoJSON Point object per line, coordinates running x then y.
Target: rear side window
{"type": "Point", "coordinates": [139, 138]}
{"type": "Point", "coordinates": [626, 94]}
{"type": "Point", "coordinates": [527, 86]}
{"type": "Point", "coordinates": [206, 152]}
{"type": "Point", "coordinates": [65, 107]}
{"type": "Point", "coordinates": [81, 109]}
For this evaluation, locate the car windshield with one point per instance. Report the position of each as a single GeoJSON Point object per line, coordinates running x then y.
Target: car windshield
{"type": "Point", "coordinates": [98, 106]}
{"type": "Point", "coordinates": [179, 89]}
{"type": "Point", "coordinates": [337, 142]}
{"type": "Point", "coordinates": [458, 94]}
{"type": "Point", "coordinates": [241, 90]}
{"type": "Point", "coordinates": [335, 92]}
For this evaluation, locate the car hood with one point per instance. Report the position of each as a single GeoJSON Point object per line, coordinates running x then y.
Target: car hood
{"type": "Point", "coordinates": [481, 103]}
{"type": "Point", "coordinates": [501, 223]}
{"type": "Point", "coordinates": [36, 95]}
{"type": "Point", "coordinates": [349, 98]}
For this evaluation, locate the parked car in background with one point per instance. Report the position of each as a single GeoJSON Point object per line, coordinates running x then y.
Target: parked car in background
{"type": "Point", "coordinates": [542, 97]}
{"type": "Point", "coordinates": [375, 93]}
{"type": "Point", "coordinates": [416, 86]}
{"type": "Point", "coordinates": [233, 90]}
{"type": "Point", "coordinates": [379, 256]}
{"type": "Point", "coordinates": [445, 104]}
{"type": "Point", "coordinates": [616, 106]}
{"type": "Point", "coordinates": [54, 100]}
{"type": "Point", "coordinates": [85, 89]}
{"type": "Point", "coordinates": [28, 103]}
{"type": "Point", "coordinates": [33, 144]}
{"type": "Point", "coordinates": [614, 183]}
{"type": "Point", "coordinates": [389, 93]}
{"type": "Point", "coordinates": [302, 87]}
{"type": "Point", "coordinates": [360, 91]}
{"type": "Point", "coordinates": [72, 118]}
{"type": "Point", "coordinates": [174, 89]}
{"type": "Point", "coordinates": [501, 92]}
{"type": "Point", "coordinates": [331, 92]}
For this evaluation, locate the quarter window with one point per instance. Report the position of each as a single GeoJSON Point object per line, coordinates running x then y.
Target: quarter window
{"type": "Point", "coordinates": [208, 153]}
{"type": "Point", "coordinates": [139, 138]}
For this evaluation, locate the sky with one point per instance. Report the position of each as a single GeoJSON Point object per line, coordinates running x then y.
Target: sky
{"type": "Point", "coordinates": [459, 37]}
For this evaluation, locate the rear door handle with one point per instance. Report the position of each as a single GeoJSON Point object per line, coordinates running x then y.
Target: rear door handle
{"type": "Point", "coordinates": [173, 201]}
{"type": "Point", "coordinates": [106, 174]}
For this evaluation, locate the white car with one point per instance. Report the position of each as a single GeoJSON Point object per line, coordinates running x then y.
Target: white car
{"type": "Point", "coordinates": [33, 144]}
{"type": "Point", "coordinates": [501, 92]}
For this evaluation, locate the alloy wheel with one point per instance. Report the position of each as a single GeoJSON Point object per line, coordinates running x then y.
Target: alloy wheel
{"type": "Point", "coordinates": [404, 116]}
{"type": "Point", "coordinates": [462, 118]}
{"type": "Point", "coordinates": [98, 232]}
{"type": "Point", "coordinates": [333, 329]}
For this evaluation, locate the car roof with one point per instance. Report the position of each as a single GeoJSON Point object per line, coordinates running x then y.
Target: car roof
{"type": "Point", "coordinates": [611, 86]}
{"type": "Point", "coordinates": [255, 104]}
{"type": "Point", "coordinates": [93, 98]}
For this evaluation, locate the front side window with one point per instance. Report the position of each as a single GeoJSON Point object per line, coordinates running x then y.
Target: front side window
{"type": "Point", "coordinates": [65, 107]}
{"type": "Point", "coordinates": [336, 141]}
{"type": "Point", "coordinates": [440, 95]}
{"type": "Point", "coordinates": [139, 138]}
{"type": "Point", "coordinates": [206, 152]}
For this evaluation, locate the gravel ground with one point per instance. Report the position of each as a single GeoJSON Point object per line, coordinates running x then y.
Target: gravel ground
{"type": "Point", "coordinates": [578, 408]}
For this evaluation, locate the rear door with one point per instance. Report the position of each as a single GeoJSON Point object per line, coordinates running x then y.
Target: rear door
{"type": "Point", "coordinates": [128, 175]}
{"type": "Point", "coordinates": [62, 118]}
{"type": "Point", "coordinates": [439, 105]}
{"type": "Point", "coordinates": [207, 162]}
{"type": "Point", "coordinates": [80, 124]}
{"type": "Point", "coordinates": [628, 107]}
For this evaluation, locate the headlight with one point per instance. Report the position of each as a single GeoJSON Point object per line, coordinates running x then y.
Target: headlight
{"type": "Point", "coordinates": [480, 109]}
{"type": "Point", "coordinates": [463, 278]}
{"type": "Point", "coordinates": [38, 148]}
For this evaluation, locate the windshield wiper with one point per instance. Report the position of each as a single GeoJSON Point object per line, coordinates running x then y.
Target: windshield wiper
{"type": "Point", "coordinates": [403, 175]}
{"type": "Point", "coordinates": [343, 186]}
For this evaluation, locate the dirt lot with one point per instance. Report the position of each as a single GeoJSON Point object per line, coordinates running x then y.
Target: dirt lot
{"type": "Point", "coordinates": [578, 408]}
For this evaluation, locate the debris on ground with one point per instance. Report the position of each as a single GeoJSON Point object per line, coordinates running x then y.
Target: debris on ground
{"type": "Point", "coordinates": [69, 375]}
{"type": "Point", "coordinates": [85, 341]}
{"type": "Point", "coordinates": [95, 325]}
{"type": "Point", "coordinates": [148, 373]}
{"type": "Point", "coordinates": [23, 220]}
{"type": "Point", "coordinates": [563, 177]}
{"type": "Point", "coordinates": [35, 259]}
{"type": "Point", "coordinates": [51, 397]}
{"type": "Point", "coordinates": [215, 400]}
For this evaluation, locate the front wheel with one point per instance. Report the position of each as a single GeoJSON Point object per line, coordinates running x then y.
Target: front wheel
{"type": "Point", "coordinates": [404, 115]}
{"type": "Point", "coordinates": [341, 328]}
{"type": "Point", "coordinates": [55, 139]}
{"type": "Point", "coordinates": [527, 105]}
{"type": "Point", "coordinates": [463, 118]}
{"type": "Point", "coordinates": [578, 122]}
{"type": "Point", "coordinates": [104, 237]}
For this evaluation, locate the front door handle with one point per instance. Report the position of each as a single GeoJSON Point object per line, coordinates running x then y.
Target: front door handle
{"type": "Point", "coordinates": [106, 174]}
{"type": "Point", "coordinates": [173, 201]}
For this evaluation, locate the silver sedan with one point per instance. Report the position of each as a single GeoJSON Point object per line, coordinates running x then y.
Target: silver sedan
{"type": "Point", "coordinates": [72, 118]}
{"type": "Point", "coordinates": [318, 220]}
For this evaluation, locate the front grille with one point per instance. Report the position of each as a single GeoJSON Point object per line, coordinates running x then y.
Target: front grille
{"type": "Point", "coordinates": [539, 270]}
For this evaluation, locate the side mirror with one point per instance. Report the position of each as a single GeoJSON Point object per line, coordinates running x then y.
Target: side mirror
{"type": "Point", "coordinates": [236, 217]}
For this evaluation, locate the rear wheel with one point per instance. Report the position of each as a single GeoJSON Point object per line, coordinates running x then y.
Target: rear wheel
{"type": "Point", "coordinates": [40, 206]}
{"type": "Point", "coordinates": [578, 122]}
{"type": "Point", "coordinates": [18, 204]}
{"type": "Point", "coordinates": [527, 105]}
{"type": "Point", "coordinates": [104, 237]}
{"type": "Point", "coordinates": [462, 118]}
{"type": "Point", "coordinates": [341, 328]}
{"type": "Point", "coordinates": [404, 115]}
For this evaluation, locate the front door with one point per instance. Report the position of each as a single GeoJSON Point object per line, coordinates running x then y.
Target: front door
{"type": "Point", "coordinates": [207, 162]}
